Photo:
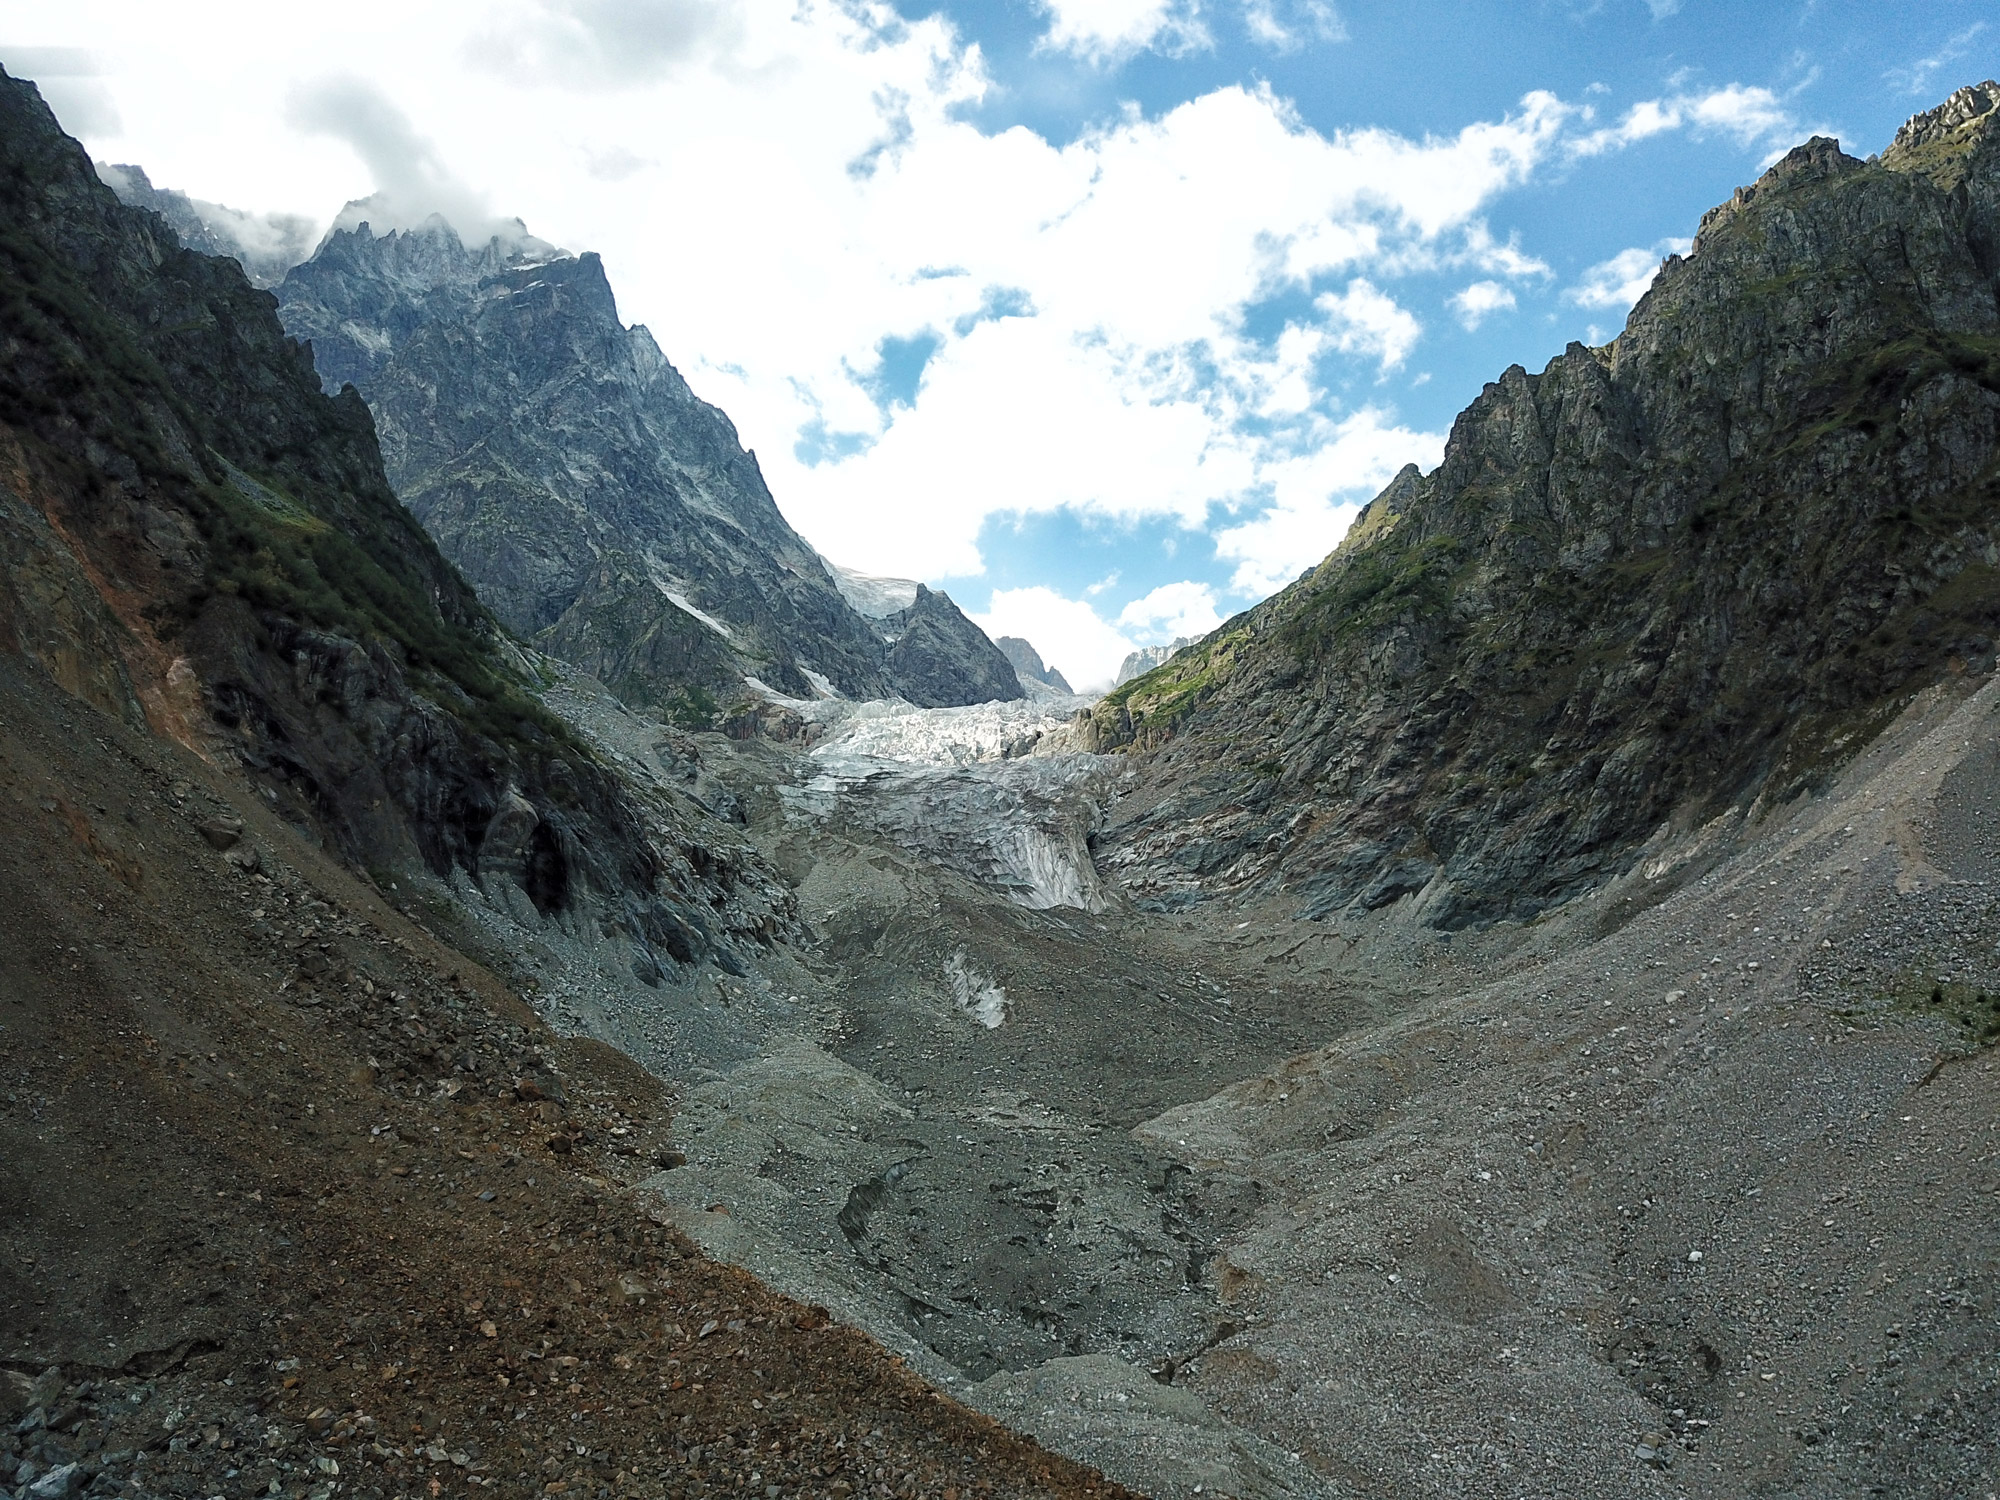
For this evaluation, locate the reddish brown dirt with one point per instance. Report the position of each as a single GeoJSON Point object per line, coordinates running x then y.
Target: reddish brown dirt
{"type": "Point", "coordinates": [297, 1200]}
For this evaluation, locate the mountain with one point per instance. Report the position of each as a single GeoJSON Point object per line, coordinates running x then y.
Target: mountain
{"type": "Point", "coordinates": [265, 245]}
{"type": "Point", "coordinates": [197, 539]}
{"type": "Point", "coordinates": [602, 509]}
{"type": "Point", "coordinates": [876, 598]}
{"type": "Point", "coordinates": [1689, 573]}
{"type": "Point", "coordinates": [1028, 665]}
{"type": "Point", "coordinates": [1146, 658]}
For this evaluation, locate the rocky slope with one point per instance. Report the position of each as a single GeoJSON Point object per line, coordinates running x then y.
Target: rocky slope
{"type": "Point", "coordinates": [1028, 664]}
{"type": "Point", "coordinates": [1688, 572]}
{"type": "Point", "coordinates": [265, 245]}
{"type": "Point", "coordinates": [196, 538]}
{"type": "Point", "coordinates": [601, 509]}
{"type": "Point", "coordinates": [1147, 658]}
{"type": "Point", "coordinates": [300, 1195]}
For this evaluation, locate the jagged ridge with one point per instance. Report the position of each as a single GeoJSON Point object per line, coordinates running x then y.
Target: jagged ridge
{"type": "Point", "coordinates": [193, 535]}
{"type": "Point", "coordinates": [1661, 579]}
{"type": "Point", "coordinates": [601, 507]}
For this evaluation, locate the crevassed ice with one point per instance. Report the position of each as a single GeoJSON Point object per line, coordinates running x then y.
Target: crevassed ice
{"type": "Point", "coordinates": [974, 993]}
{"type": "Point", "coordinates": [900, 733]}
{"type": "Point", "coordinates": [995, 791]}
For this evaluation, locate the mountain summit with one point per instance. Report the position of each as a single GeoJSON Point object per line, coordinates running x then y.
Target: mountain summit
{"type": "Point", "coordinates": [601, 508]}
{"type": "Point", "coordinates": [1685, 574]}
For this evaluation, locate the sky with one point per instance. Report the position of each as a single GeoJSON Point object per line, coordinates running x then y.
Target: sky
{"type": "Point", "coordinates": [1105, 316]}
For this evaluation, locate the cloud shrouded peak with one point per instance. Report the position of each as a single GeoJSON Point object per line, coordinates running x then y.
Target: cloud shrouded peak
{"type": "Point", "coordinates": [952, 286]}
{"type": "Point", "coordinates": [412, 183]}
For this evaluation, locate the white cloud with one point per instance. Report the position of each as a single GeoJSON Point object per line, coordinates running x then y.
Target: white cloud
{"type": "Point", "coordinates": [1622, 280]}
{"type": "Point", "coordinates": [1315, 494]}
{"type": "Point", "coordinates": [1916, 77]}
{"type": "Point", "coordinates": [1171, 611]}
{"type": "Point", "coordinates": [1478, 302]}
{"type": "Point", "coordinates": [1069, 635]}
{"type": "Point", "coordinates": [1751, 116]}
{"type": "Point", "coordinates": [1105, 30]}
{"type": "Point", "coordinates": [592, 42]}
{"type": "Point", "coordinates": [1363, 320]}
{"type": "Point", "coordinates": [71, 85]}
{"type": "Point", "coordinates": [1288, 25]}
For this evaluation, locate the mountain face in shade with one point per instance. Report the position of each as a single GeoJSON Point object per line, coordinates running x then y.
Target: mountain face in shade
{"type": "Point", "coordinates": [195, 538]}
{"type": "Point", "coordinates": [1682, 574]}
{"type": "Point", "coordinates": [265, 245]}
{"type": "Point", "coordinates": [940, 659]}
{"type": "Point", "coordinates": [601, 508]}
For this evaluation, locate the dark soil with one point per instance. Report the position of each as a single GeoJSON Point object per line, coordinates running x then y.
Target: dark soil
{"type": "Point", "coordinates": [298, 1201]}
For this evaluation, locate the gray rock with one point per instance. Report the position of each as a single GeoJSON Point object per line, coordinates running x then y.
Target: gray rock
{"type": "Point", "coordinates": [58, 1484]}
{"type": "Point", "coordinates": [17, 1394]}
{"type": "Point", "coordinates": [1684, 573]}
{"type": "Point", "coordinates": [1028, 664]}
{"type": "Point", "coordinates": [221, 832]}
{"type": "Point", "coordinates": [600, 507]}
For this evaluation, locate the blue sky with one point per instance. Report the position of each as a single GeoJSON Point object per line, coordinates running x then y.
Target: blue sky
{"type": "Point", "coordinates": [1105, 315]}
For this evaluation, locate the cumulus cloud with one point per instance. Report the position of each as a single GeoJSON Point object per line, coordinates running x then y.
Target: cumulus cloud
{"type": "Point", "coordinates": [1313, 495]}
{"type": "Point", "coordinates": [1069, 635]}
{"type": "Point", "coordinates": [1363, 320]}
{"type": "Point", "coordinates": [1622, 280]}
{"type": "Point", "coordinates": [1107, 30]}
{"type": "Point", "coordinates": [1478, 302]}
{"type": "Point", "coordinates": [1750, 116]}
{"type": "Point", "coordinates": [1171, 611]}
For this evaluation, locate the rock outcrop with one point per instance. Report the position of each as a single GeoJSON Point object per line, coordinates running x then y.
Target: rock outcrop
{"type": "Point", "coordinates": [1689, 572]}
{"type": "Point", "coordinates": [603, 510]}
{"type": "Point", "coordinates": [940, 659]}
{"type": "Point", "coordinates": [198, 539]}
{"type": "Point", "coordinates": [265, 245]}
{"type": "Point", "coordinates": [1028, 664]}
{"type": "Point", "coordinates": [1149, 658]}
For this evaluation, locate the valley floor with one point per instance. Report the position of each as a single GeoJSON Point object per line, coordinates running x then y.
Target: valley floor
{"type": "Point", "coordinates": [1687, 1189]}
{"type": "Point", "coordinates": [1690, 1188]}
{"type": "Point", "coordinates": [300, 1201]}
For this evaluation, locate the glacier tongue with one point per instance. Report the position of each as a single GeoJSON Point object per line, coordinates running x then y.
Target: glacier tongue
{"type": "Point", "coordinates": [993, 791]}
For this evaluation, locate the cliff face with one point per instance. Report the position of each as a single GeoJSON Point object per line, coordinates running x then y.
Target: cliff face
{"type": "Point", "coordinates": [265, 245]}
{"type": "Point", "coordinates": [940, 659]}
{"type": "Point", "coordinates": [560, 460]}
{"type": "Point", "coordinates": [1028, 664]}
{"type": "Point", "coordinates": [195, 537]}
{"type": "Point", "coordinates": [1683, 573]}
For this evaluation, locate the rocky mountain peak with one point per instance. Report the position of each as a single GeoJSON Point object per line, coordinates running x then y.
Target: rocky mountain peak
{"type": "Point", "coordinates": [1941, 143]}
{"type": "Point", "coordinates": [1975, 103]}
{"type": "Point", "coordinates": [1028, 664]}
{"type": "Point", "coordinates": [1654, 583]}
{"type": "Point", "coordinates": [265, 245]}
{"type": "Point", "coordinates": [1817, 158]}
{"type": "Point", "coordinates": [602, 508]}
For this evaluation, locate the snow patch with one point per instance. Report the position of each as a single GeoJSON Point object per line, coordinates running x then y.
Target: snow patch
{"type": "Point", "coordinates": [666, 584]}
{"type": "Point", "coordinates": [974, 993]}
{"type": "Point", "coordinates": [822, 684]}
{"type": "Point", "coordinates": [874, 597]}
{"type": "Point", "coordinates": [863, 737]}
